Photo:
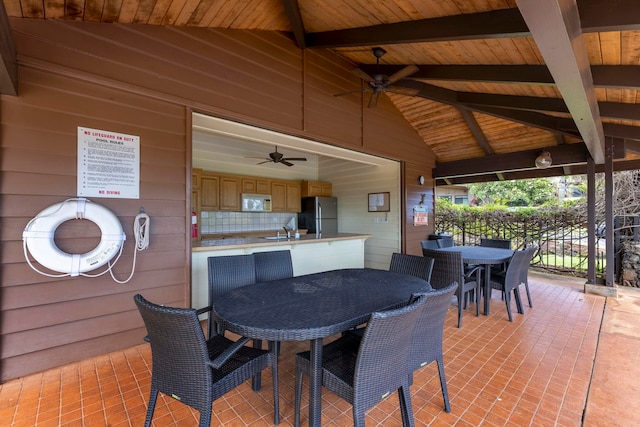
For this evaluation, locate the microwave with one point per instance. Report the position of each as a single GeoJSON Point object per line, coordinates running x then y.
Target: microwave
{"type": "Point", "coordinates": [256, 202]}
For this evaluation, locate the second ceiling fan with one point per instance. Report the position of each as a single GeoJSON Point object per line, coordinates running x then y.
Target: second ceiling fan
{"type": "Point", "coordinates": [381, 82]}
{"type": "Point", "coordinates": [277, 157]}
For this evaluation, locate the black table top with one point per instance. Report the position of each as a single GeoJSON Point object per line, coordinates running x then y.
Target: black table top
{"type": "Point", "coordinates": [481, 254]}
{"type": "Point", "coordinates": [314, 305]}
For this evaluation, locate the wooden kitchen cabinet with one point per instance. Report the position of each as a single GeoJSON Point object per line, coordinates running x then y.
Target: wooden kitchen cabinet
{"type": "Point", "coordinates": [195, 178]}
{"type": "Point", "coordinates": [221, 192]}
{"type": "Point", "coordinates": [209, 192]}
{"type": "Point", "coordinates": [254, 185]}
{"type": "Point", "coordinates": [293, 197]}
{"type": "Point", "coordinates": [316, 189]}
{"type": "Point", "coordinates": [229, 193]}
{"type": "Point", "coordinates": [278, 196]}
{"type": "Point", "coordinates": [285, 196]}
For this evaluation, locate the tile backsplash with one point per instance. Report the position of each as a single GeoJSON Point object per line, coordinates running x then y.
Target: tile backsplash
{"type": "Point", "coordinates": [234, 222]}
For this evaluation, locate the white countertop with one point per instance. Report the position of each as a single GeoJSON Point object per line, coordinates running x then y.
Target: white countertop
{"type": "Point", "coordinates": [244, 242]}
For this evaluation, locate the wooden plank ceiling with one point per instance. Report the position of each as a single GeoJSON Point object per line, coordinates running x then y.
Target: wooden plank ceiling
{"type": "Point", "coordinates": [494, 80]}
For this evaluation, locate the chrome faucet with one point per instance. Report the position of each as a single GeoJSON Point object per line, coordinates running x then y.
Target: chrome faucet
{"type": "Point", "coordinates": [288, 231]}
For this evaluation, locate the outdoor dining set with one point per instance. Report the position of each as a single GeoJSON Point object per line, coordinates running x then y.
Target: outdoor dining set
{"type": "Point", "coordinates": [385, 324]}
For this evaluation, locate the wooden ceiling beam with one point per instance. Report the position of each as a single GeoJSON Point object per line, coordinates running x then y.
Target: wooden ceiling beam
{"type": "Point", "coordinates": [502, 163]}
{"type": "Point", "coordinates": [568, 170]}
{"type": "Point", "coordinates": [555, 27]}
{"type": "Point", "coordinates": [514, 108]}
{"type": "Point", "coordinates": [605, 15]}
{"type": "Point", "coordinates": [604, 76]}
{"type": "Point", "coordinates": [594, 16]}
{"type": "Point", "coordinates": [504, 23]}
{"type": "Point", "coordinates": [619, 110]}
{"type": "Point", "coordinates": [517, 74]}
{"type": "Point", "coordinates": [633, 146]}
{"type": "Point", "coordinates": [621, 131]}
{"type": "Point", "coordinates": [528, 118]}
{"type": "Point", "coordinates": [8, 58]}
{"type": "Point", "coordinates": [530, 103]}
{"type": "Point", "coordinates": [562, 156]}
{"type": "Point", "coordinates": [616, 76]}
{"type": "Point", "coordinates": [476, 130]}
{"type": "Point", "coordinates": [611, 110]}
{"type": "Point", "coordinates": [292, 9]}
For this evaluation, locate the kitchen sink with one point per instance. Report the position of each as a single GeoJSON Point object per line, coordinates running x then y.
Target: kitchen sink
{"type": "Point", "coordinates": [275, 237]}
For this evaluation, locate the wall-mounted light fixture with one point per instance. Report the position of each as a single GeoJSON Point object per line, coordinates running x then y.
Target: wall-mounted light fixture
{"type": "Point", "coordinates": [421, 180]}
{"type": "Point", "coordinates": [543, 160]}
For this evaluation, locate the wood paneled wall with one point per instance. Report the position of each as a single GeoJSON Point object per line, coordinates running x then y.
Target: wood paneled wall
{"type": "Point", "coordinates": [413, 192]}
{"type": "Point", "coordinates": [50, 321]}
{"type": "Point", "coordinates": [144, 80]}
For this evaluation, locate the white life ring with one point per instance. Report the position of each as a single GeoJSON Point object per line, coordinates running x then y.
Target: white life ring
{"type": "Point", "coordinates": [38, 236]}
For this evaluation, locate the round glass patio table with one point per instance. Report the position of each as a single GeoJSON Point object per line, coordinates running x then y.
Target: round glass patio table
{"type": "Point", "coordinates": [311, 307]}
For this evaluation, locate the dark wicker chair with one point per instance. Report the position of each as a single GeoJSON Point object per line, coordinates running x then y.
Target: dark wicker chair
{"type": "Point", "coordinates": [496, 243]}
{"type": "Point", "coordinates": [429, 244]}
{"type": "Point", "coordinates": [511, 279]}
{"type": "Point", "coordinates": [445, 242]}
{"type": "Point", "coordinates": [364, 372]}
{"type": "Point", "coordinates": [426, 346]}
{"type": "Point", "coordinates": [414, 265]}
{"type": "Point", "coordinates": [524, 273]}
{"type": "Point", "coordinates": [427, 337]}
{"type": "Point", "coordinates": [448, 267]}
{"type": "Point", "coordinates": [194, 370]}
{"type": "Point", "coordinates": [227, 273]}
{"type": "Point", "coordinates": [273, 265]}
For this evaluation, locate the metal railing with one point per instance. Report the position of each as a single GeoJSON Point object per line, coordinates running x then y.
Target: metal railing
{"type": "Point", "coordinates": [561, 236]}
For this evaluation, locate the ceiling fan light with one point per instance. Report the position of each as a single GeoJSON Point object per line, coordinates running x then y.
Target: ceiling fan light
{"type": "Point", "coordinates": [543, 160]}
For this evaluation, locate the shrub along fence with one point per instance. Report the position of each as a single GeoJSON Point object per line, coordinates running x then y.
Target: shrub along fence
{"type": "Point", "coordinates": [560, 234]}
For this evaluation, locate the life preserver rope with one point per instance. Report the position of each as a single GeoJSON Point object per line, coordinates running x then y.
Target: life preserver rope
{"type": "Point", "coordinates": [38, 237]}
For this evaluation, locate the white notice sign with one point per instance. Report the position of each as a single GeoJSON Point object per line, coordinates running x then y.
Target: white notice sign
{"type": "Point", "coordinates": [108, 164]}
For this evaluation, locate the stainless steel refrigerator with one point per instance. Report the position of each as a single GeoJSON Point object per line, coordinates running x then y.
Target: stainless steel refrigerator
{"type": "Point", "coordinates": [319, 215]}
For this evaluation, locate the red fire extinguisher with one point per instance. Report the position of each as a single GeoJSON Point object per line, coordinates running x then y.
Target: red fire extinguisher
{"type": "Point", "coordinates": [194, 225]}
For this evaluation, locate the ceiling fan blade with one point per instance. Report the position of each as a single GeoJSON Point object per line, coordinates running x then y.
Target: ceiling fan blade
{"type": "Point", "coordinates": [350, 92]}
{"type": "Point", "coordinates": [284, 162]}
{"type": "Point", "coordinates": [405, 72]}
{"type": "Point", "coordinates": [373, 101]}
{"type": "Point", "coordinates": [266, 161]}
{"type": "Point", "coordinates": [364, 76]}
{"type": "Point", "coordinates": [296, 159]}
{"type": "Point", "coordinates": [403, 90]}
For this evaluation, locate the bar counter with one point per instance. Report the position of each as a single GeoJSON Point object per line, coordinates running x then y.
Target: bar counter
{"type": "Point", "coordinates": [309, 254]}
{"type": "Point", "coordinates": [249, 242]}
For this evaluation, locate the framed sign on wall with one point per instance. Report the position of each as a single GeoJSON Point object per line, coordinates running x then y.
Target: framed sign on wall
{"type": "Point", "coordinates": [379, 202]}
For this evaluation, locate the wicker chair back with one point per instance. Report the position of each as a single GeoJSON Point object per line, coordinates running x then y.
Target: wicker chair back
{"type": "Point", "coordinates": [448, 267]}
{"type": "Point", "coordinates": [364, 371]}
{"type": "Point", "coordinates": [273, 265]}
{"type": "Point", "coordinates": [414, 265]}
{"type": "Point", "coordinates": [496, 243]}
